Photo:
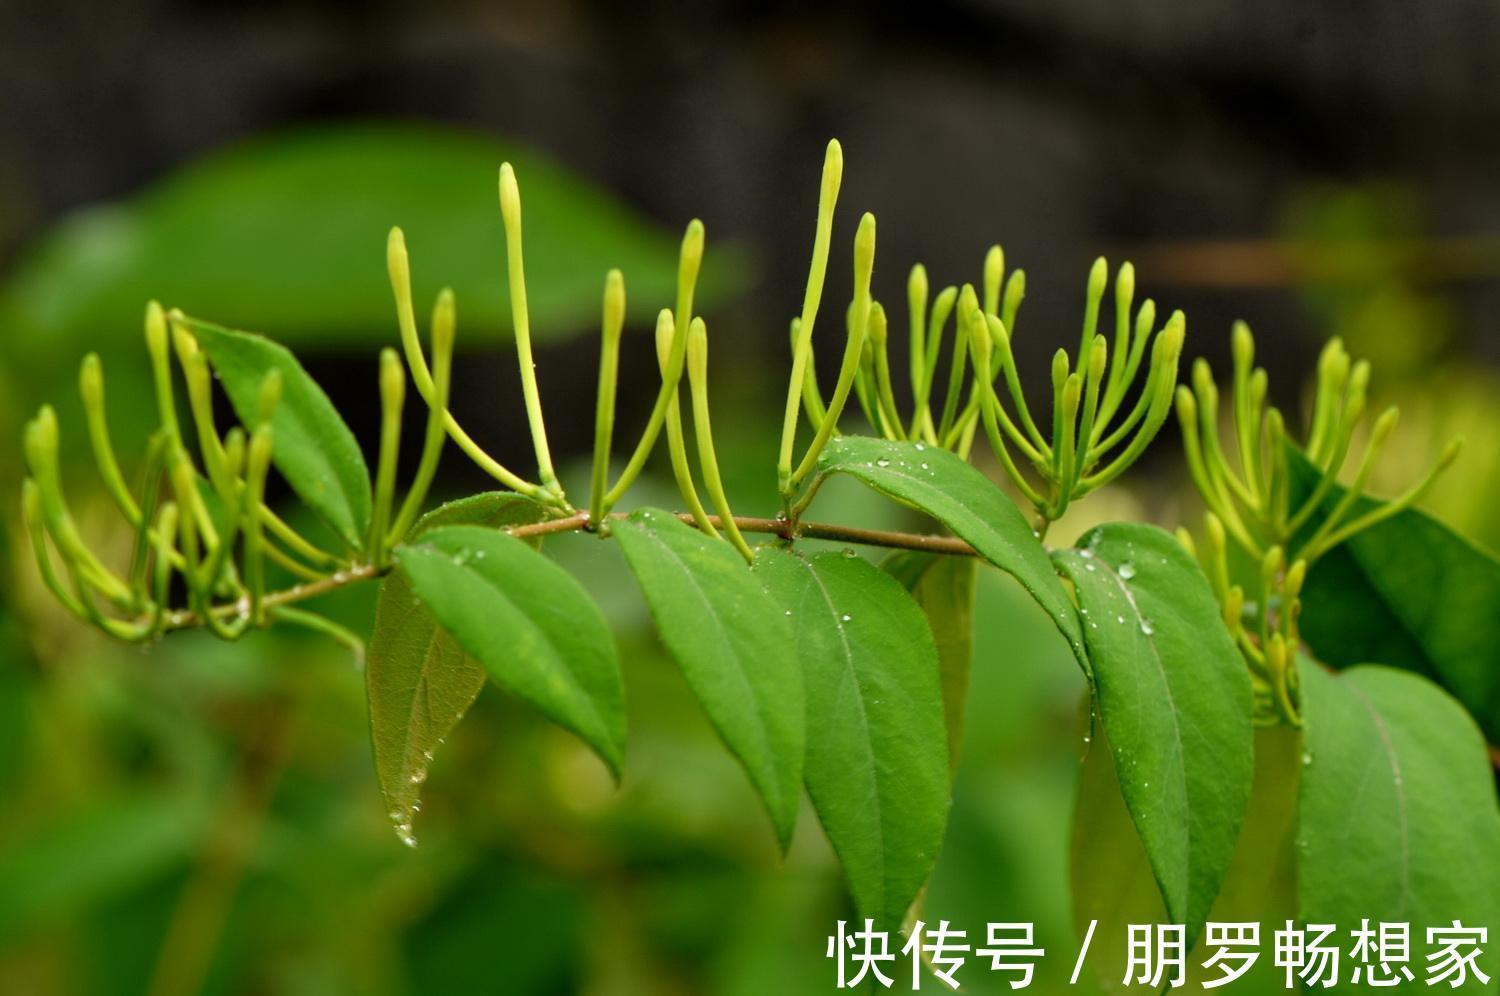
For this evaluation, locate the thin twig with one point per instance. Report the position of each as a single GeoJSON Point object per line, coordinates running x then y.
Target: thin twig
{"type": "Point", "coordinates": [784, 528]}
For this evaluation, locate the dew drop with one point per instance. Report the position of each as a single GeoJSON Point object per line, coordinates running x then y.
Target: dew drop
{"type": "Point", "coordinates": [1127, 571]}
{"type": "Point", "coordinates": [1086, 554]}
{"type": "Point", "coordinates": [882, 462]}
{"type": "Point", "coordinates": [846, 617]}
{"type": "Point", "coordinates": [1120, 620]}
{"type": "Point", "coordinates": [1307, 758]}
{"type": "Point", "coordinates": [920, 447]}
{"type": "Point", "coordinates": [1146, 627]}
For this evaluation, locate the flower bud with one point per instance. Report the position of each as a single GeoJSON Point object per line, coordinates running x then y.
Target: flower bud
{"type": "Point", "coordinates": [392, 380]}
{"type": "Point", "coordinates": [1242, 345]}
{"type": "Point", "coordinates": [614, 306]}
{"type": "Point", "coordinates": [270, 395]}
{"type": "Point", "coordinates": [1125, 287]}
{"type": "Point", "coordinates": [91, 383]}
{"type": "Point", "coordinates": [994, 272]}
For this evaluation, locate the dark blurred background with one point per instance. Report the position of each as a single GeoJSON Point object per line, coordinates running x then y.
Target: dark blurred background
{"type": "Point", "coordinates": [205, 816]}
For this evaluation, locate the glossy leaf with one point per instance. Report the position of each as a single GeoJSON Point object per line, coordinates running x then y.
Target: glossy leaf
{"type": "Point", "coordinates": [1175, 703]}
{"type": "Point", "coordinates": [418, 680]}
{"type": "Point", "coordinates": [529, 623]}
{"type": "Point", "coordinates": [286, 234]}
{"type": "Point", "coordinates": [495, 509]}
{"type": "Point", "coordinates": [963, 499]}
{"type": "Point", "coordinates": [1398, 819]}
{"type": "Point", "coordinates": [877, 759]}
{"type": "Point", "coordinates": [1413, 594]}
{"type": "Point", "coordinates": [734, 645]}
{"type": "Point", "coordinates": [944, 589]}
{"type": "Point", "coordinates": [311, 446]}
{"type": "Point", "coordinates": [1112, 883]}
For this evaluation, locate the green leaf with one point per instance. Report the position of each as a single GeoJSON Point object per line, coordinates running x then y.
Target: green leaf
{"type": "Point", "coordinates": [1112, 883]}
{"type": "Point", "coordinates": [944, 588]}
{"type": "Point", "coordinates": [419, 683]}
{"type": "Point", "coordinates": [286, 233]}
{"type": "Point", "coordinates": [1413, 594]}
{"type": "Point", "coordinates": [1175, 702]}
{"type": "Point", "coordinates": [495, 509]}
{"type": "Point", "coordinates": [1397, 812]}
{"type": "Point", "coordinates": [311, 446]}
{"type": "Point", "coordinates": [734, 645]}
{"type": "Point", "coordinates": [948, 489]}
{"type": "Point", "coordinates": [418, 680]}
{"type": "Point", "coordinates": [529, 623]}
{"type": "Point", "coordinates": [877, 762]}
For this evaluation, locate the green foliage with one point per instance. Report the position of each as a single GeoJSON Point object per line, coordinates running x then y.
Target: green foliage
{"type": "Point", "coordinates": [877, 761]}
{"type": "Point", "coordinates": [820, 669]}
{"type": "Point", "coordinates": [964, 500]}
{"type": "Point", "coordinates": [528, 623]}
{"type": "Point", "coordinates": [944, 588]}
{"type": "Point", "coordinates": [734, 645]}
{"type": "Point", "coordinates": [1397, 809]}
{"type": "Point", "coordinates": [313, 449]}
{"type": "Point", "coordinates": [324, 199]}
{"type": "Point", "coordinates": [1174, 700]}
{"type": "Point", "coordinates": [418, 680]}
{"type": "Point", "coordinates": [1411, 593]}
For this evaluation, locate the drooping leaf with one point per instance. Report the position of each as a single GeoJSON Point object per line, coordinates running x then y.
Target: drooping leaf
{"type": "Point", "coordinates": [1397, 816]}
{"type": "Point", "coordinates": [1413, 594]}
{"type": "Point", "coordinates": [311, 446]}
{"type": "Point", "coordinates": [418, 680]}
{"type": "Point", "coordinates": [1112, 883]}
{"type": "Point", "coordinates": [529, 623]}
{"type": "Point", "coordinates": [944, 588]}
{"type": "Point", "coordinates": [963, 499]}
{"type": "Point", "coordinates": [419, 683]}
{"type": "Point", "coordinates": [286, 233]}
{"type": "Point", "coordinates": [1175, 702]}
{"type": "Point", "coordinates": [734, 645]}
{"type": "Point", "coordinates": [877, 761]}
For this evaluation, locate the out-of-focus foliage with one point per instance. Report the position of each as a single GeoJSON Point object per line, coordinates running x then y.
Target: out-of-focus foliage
{"type": "Point", "coordinates": [286, 235]}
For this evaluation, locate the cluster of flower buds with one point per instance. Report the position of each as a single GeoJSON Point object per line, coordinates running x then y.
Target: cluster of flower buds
{"type": "Point", "coordinates": [1266, 513]}
{"type": "Point", "coordinates": [1096, 433]}
{"type": "Point", "coordinates": [188, 520]}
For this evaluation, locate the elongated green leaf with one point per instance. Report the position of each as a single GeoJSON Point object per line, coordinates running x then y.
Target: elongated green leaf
{"type": "Point", "coordinates": [1413, 594]}
{"type": "Point", "coordinates": [286, 233]}
{"type": "Point", "coordinates": [1112, 881]}
{"type": "Point", "coordinates": [529, 623]}
{"type": "Point", "coordinates": [1397, 812]}
{"type": "Point", "coordinates": [418, 681]}
{"type": "Point", "coordinates": [944, 588]}
{"type": "Point", "coordinates": [734, 645]}
{"type": "Point", "coordinates": [1174, 698]}
{"type": "Point", "coordinates": [877, 761]}
{"type": "Point", "coordinates": [948, 489]}
{"type": "Point", "coordinates": [311, 445]}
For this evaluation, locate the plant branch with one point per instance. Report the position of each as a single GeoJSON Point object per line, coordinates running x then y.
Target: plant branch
{"type": "Point", "coordinates": [579, 522]}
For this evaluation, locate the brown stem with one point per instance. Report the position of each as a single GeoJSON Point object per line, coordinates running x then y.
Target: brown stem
{"type": "Point", "coordinates": [785, 528]}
